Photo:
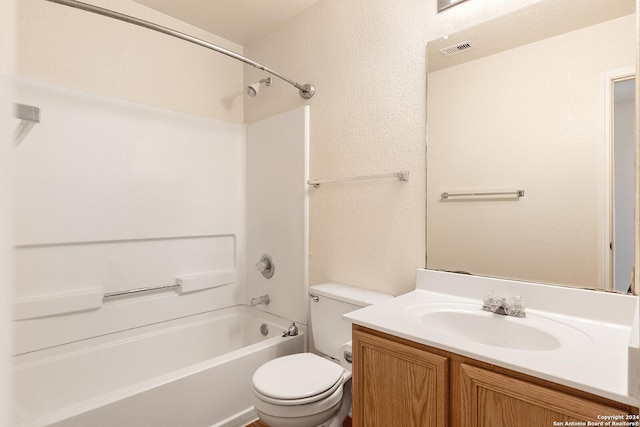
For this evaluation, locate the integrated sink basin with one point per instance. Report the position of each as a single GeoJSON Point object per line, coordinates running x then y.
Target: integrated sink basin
{"type": "Point", "coordinates": [491, 329]}
{"type": "Point", "coordinates": [469, 322]}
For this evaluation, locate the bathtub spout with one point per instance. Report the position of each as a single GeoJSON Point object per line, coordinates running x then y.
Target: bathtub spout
{"type": "Point", "coordinates": [292, 331]}
{"type": "Point", "coordinates": [264, 299]}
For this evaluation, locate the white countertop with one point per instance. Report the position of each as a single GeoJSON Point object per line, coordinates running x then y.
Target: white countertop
{"type": "Point", "coordinates": [594, 329]}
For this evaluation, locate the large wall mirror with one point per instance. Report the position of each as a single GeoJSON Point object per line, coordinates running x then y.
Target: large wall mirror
{"type": "Point", "coordinates": [540, 100]}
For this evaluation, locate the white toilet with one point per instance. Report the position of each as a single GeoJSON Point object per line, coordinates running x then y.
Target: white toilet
{"type": "Point", "coordinates": [307, 390]}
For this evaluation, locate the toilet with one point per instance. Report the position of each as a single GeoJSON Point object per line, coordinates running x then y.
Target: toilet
{"type": "Point", "coordinates": [305, 389]}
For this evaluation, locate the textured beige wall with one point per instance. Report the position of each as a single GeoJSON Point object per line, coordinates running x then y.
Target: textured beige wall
{"type": "Point", "coordinates": [367, 59]}
{"type": "Point", "coordinates": [65, 46]}
{"type": "Point", "coordinates": [467, 14]}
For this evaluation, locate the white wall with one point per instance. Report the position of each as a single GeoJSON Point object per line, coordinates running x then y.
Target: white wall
{"type": "Point", "coordinates": [6, 129]}
{"type": "Point", "coordinates": [552, 234]}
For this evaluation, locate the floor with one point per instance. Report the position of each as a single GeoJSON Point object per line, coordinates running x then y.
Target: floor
{"type": "Point", "coordinates": [347, 423]}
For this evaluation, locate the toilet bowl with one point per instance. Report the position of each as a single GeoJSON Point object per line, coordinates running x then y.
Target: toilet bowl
{"type": "Point", "coordinates": [305, 389]}
{"type": "Point", "coordinates": [301, 390]}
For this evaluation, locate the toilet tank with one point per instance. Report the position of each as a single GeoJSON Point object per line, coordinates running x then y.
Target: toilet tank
{"type": "Point", "coordinates": [329, 301]}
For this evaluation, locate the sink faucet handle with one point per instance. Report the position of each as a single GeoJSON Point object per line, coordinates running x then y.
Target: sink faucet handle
{"type": "Point", "coordinates": [490, 301]}
{"type": "Point", "coordinates": [489, 298]}
{"type": "Point", "coordinates": [517, 302]}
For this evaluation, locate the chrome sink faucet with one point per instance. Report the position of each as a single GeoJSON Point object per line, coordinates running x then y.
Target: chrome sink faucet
{"type": "Point", "coordinates": [515, 306]}
{"type": "Point", "coordinates": [263, 299]}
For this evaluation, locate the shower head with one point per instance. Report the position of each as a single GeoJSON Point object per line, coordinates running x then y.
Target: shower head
{"type": "Point", "coordinates": [253, 89]}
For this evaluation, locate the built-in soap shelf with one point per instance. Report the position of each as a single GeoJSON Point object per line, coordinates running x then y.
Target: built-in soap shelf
{"type": "Point", "coordinates": [93, 298]}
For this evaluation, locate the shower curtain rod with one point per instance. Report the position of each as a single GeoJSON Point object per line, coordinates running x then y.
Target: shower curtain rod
{"type": "Point", "coordinates": [306, 91]}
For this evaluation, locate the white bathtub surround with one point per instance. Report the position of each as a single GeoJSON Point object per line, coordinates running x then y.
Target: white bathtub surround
{"type": "Point", "coordinates": [6, 262]}
{"type": "Point", "coordinates": [199, 282]}
{"type": "Point", "coordinates": [189, 372]}
{"type": "Point", "coordinates": [277, 211]}
{"type": "Point", "coordinates": [114, 196]}
{"type": "Point", "coordinates": [592, 330]}
{"type": "Point", "coordinates": [109, 197]}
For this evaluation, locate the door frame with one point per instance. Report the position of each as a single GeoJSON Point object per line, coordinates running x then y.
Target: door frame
{"type": "Point", "coordinates": [608, 78]}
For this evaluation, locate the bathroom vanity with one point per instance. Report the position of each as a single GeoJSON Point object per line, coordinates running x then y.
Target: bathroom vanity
{"type": "Point", "coordinates": [400, 382]}
{"type": "Point", "coordinates": [433, 357]}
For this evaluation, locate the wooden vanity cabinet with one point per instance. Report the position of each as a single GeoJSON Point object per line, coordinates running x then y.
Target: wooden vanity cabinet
{"type": "Point", "coordinates": [488, 398]}
{"type": "Point", "coordinates": [397, 382]}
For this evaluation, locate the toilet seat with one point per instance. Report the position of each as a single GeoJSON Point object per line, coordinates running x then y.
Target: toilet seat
{"type": "Point", "coordinates": [297, 379]}
{"type": "Point", "coordinates": [329, 404]}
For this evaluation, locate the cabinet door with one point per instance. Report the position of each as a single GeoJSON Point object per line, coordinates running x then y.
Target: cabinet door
{"type": "Point", "coordinates": [397, 385]}
{"type": "Point", "coordinates": [490, 399]}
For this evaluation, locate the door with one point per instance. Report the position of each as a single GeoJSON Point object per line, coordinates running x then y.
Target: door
{"type": "Point", "coordinates": [622, 186]}
{"type": "Point", "coordinates": [618, 174]}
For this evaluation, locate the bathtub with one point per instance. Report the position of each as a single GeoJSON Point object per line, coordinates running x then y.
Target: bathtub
{"type": "Point", "coordinates": [194, 371]}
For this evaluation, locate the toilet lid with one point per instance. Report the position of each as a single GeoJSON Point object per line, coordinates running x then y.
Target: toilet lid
{"type": "Point", "coordinates": [296, 376]}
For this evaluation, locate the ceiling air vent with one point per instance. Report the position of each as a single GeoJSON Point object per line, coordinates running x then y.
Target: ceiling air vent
{"type": "Point", "coordinates": [459, 48]}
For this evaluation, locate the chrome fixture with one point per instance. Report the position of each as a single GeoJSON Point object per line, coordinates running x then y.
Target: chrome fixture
{"type": "Point", "coordinates": [348, 356]}
{"type": "Point", "coordinates": [140, 290]}
{"type": "Point", "coordinates": [264, 329]}
{"type": "Point", "coordinates": [445, 4]}
{"type": "Point", "coordinates": [402, 176]}
{"type": "Point", "coordinates": [263, 299]}
{"type": "Point", "coordinates": [306, 91]}
{"type": "Point", "coordinates": [253, 89]}
{"type": "Point", "coordinates": [315, 298]}
{"type": "Point", "coordinates": [515, 306]}
{"type": "Point", "coordinates": [265, 266]}
{"type": "Point", "coordinates": [512, 193]}
{"type": "Point", "coordinates": [29, 116]}
{"type": "Point", "coordinates": [291, 331]}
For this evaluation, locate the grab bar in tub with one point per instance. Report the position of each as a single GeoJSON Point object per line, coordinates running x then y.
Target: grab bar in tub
{"type": "Point", "coordinates": [74, 300]}
{"type": "Point", "coordinates": [139, 290]}
{"type": "Point", "coordinates": [186, 284]}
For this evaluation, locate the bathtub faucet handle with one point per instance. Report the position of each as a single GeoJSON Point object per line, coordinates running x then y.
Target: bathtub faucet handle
{"type": "Point", "coordinates": [265, 266]}
{"type": "Point", "coordinates": [292, 331]}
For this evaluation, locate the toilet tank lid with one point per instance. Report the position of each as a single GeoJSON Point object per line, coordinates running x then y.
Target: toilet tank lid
{"type": "Point", "coordinates": [349, 294]}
